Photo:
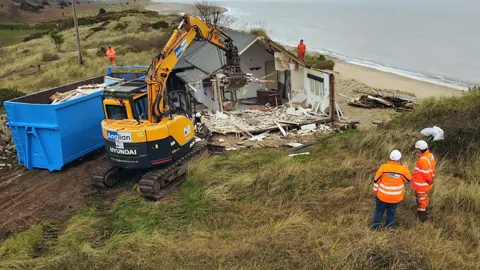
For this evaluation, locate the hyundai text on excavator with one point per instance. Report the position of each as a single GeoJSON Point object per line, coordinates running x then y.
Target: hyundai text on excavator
{"type": "Point", "coordinates": [145, 130]}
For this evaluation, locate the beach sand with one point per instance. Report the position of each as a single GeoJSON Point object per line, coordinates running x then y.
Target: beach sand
{"type": "Point", "coordinates": [379, 79]}
{"type": "Point", "coordinates": [171, 8]}
{"type": "Point", "coordinates": [351, 78]}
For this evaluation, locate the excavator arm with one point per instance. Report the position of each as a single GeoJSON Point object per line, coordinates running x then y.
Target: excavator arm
{"type": "Point", "coordinates": [189, 29]}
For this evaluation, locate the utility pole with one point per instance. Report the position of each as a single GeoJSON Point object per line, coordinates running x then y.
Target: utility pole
{"type": "Point", "coordinates": [79, 49]}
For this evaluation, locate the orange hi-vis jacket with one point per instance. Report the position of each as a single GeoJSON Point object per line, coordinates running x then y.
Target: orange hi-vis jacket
{"type": "Point", "coordinates": [110, 52]}
{"type": "Point", "coordinates": [424, 172]}
{"type": "Point", "coordinates": [301, 48]}
{"type": "Point", "coordinates": [389, 182]}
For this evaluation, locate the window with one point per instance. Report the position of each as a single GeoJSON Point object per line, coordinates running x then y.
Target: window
{"type": "Point", "coordinates": [116, 112]}
{"type": "Point", "coordinates": [206, 86]}
{"type": "Point", "coordinates": [141, 105]}
{"type": "Point", "coordinates": [316, 85]}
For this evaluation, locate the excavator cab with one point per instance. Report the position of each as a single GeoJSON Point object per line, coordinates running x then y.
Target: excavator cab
{"type": "Point", "coordinates": [126, 101]}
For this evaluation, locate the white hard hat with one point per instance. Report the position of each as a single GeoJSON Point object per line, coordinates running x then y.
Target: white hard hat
{"type": "Point", "coordinates": [422, 145]}
{"type": "Point", "coordinates": [395, 155]}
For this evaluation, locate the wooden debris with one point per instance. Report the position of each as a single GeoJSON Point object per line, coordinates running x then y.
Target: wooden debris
{"type": "Point", "coordinates": [380, 99]}
{"type": "Point", "coordinates": [281, 129]}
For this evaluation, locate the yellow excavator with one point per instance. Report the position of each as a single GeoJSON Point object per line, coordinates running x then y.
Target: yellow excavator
{"type": "Point", "coordinates": [146, 129]}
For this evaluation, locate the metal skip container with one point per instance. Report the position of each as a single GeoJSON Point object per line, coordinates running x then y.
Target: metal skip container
{"type": "Point", "coordinates": [48, 136]}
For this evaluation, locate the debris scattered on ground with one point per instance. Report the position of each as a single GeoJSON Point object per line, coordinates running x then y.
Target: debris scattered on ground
{"type": "Point", "coordinates": [8, 154]}
{"type": "Point", "coordinates": [435, 132]}
{"type": "Point", "coordinates": [260, 119]}
{"type": "Point", "coordinates": [293, 128]}
{"type": "Point", "coordinates": [294, 144]}
{"type": "Point", "coordinates": [379, 99]}
{"type": "Point", "coordinates": [299, 154]}
{"type": "Point", "coordinates": [298, 146]}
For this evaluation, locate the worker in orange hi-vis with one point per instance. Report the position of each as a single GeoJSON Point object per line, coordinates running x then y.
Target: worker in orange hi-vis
{"type": "Point", "coordinates": [301, 50]}
{"type": "Point", "coordinates": [111, 55]}
{"type": "Point", "coordinates": [423, 177]}
{"type": "Point", "coordinates": [389, 189]}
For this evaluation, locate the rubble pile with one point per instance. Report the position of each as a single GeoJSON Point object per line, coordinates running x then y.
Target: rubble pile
{"type": "Point", "coordinates": [379, 99]}
{"type": "Point", "coordinates": [265, 127]}
{"type": "Point", "coordinates": [8, 155]}
{"type": "Point", "coordinates": [260, 119]}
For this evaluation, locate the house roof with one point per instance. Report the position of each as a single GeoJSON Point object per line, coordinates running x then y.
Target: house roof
{"type": "Point", "coordinates": [205, 57]}
{"type": "Point", "coordinates": [202, 58]}
{"type": "Point", "coordinates": [192, 75]}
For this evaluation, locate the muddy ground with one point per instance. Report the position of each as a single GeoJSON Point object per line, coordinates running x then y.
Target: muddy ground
{"type": "Point", "coordinates": [31, 197]}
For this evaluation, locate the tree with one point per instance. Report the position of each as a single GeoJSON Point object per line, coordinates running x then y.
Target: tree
{"type": "Point", "coordinates": [57, 39]}
{"type": "Point", "coordinates": [214, 14]}
{"type": "Point", "coordinates": [63, 4]}
{"type": "Point", "coordinates": [102, 11]}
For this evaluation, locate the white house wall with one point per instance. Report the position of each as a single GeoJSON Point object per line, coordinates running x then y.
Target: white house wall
{"type": "Point", "coordinates": [317, 93]}
{"type": "Point", "coordinates": [255, 56]}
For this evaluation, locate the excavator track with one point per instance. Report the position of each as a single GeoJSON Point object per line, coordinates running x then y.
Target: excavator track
{"type": "Point", "coordinates": [159, 182]}
{"type": "Point", "coordinates": [105, 175]}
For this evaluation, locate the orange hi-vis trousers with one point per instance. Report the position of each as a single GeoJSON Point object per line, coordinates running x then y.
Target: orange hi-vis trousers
{"type": "Point", "coordinates": [422, 200]}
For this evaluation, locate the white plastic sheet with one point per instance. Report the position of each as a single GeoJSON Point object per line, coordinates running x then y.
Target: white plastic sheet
{"type": "Point", "coordinates": [435, 132]}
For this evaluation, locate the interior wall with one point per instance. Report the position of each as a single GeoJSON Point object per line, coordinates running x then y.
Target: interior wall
{"type": "Point", "coordinates": [254, 57]}
{"type": "Point", "coordinates": [205, 99]}
{"type": "Point", "coordinates": [298, 78]}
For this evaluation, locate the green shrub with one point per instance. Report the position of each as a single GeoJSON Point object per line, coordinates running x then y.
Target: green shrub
{"type": "Point", "coordinates": [159, 25]}
{"type": "Point", "coordinates": [319, 61]}
{"type": "Point", "coordinates": [474, 88]}
{"type": "Point", "coordinates": [48, 57]}
{"type": "Point", "coordinates": [57, 39]}
{"type": "Point", "coordinates": [34, 36]}
{"type": "Point", "coordinates": [24, 5]}
{"type": "Point", "coordinates": [63, 4]}
{"type": "Point", "coordinates": [147, 45]}
{"type": "Point", "coordinates": [259, 32]}
{"type": "Point", "coordinates": [8, 94]}
{"type": "Point", "coordinates": [120, 26]}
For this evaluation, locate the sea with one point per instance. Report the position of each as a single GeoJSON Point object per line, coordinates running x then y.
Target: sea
{"type": "Point", "coordinates": [437, 41]}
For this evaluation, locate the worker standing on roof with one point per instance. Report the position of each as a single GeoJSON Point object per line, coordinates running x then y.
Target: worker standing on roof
{"type": "Point", "coordinates": [111, 55]}
{"type": "Point", "coordinates": [389, 189]}
{"type": "Point", "coordinates": [301, 50]}
{"type": "Point", "coordinates": [423, 177]}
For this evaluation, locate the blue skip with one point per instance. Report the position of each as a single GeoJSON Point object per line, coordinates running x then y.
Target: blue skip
{"type": "Point", "coordinates": [48, 136]}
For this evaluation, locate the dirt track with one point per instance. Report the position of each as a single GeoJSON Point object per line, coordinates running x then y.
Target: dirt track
{"type": "Point", "coordinates": [28, 197]}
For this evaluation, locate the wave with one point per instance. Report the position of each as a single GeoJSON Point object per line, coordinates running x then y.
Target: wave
{"type": "Point", "coordinates": [431, 78]}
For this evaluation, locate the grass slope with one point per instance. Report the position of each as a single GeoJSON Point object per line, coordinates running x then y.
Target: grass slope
{"type": "Point", "coordinates": [264, 210]}
{"type": "Point", "coordinates": [23, 66]}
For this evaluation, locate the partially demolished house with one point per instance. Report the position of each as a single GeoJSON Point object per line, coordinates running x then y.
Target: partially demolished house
{"type": "Point", "coordinates": [288, 79]}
